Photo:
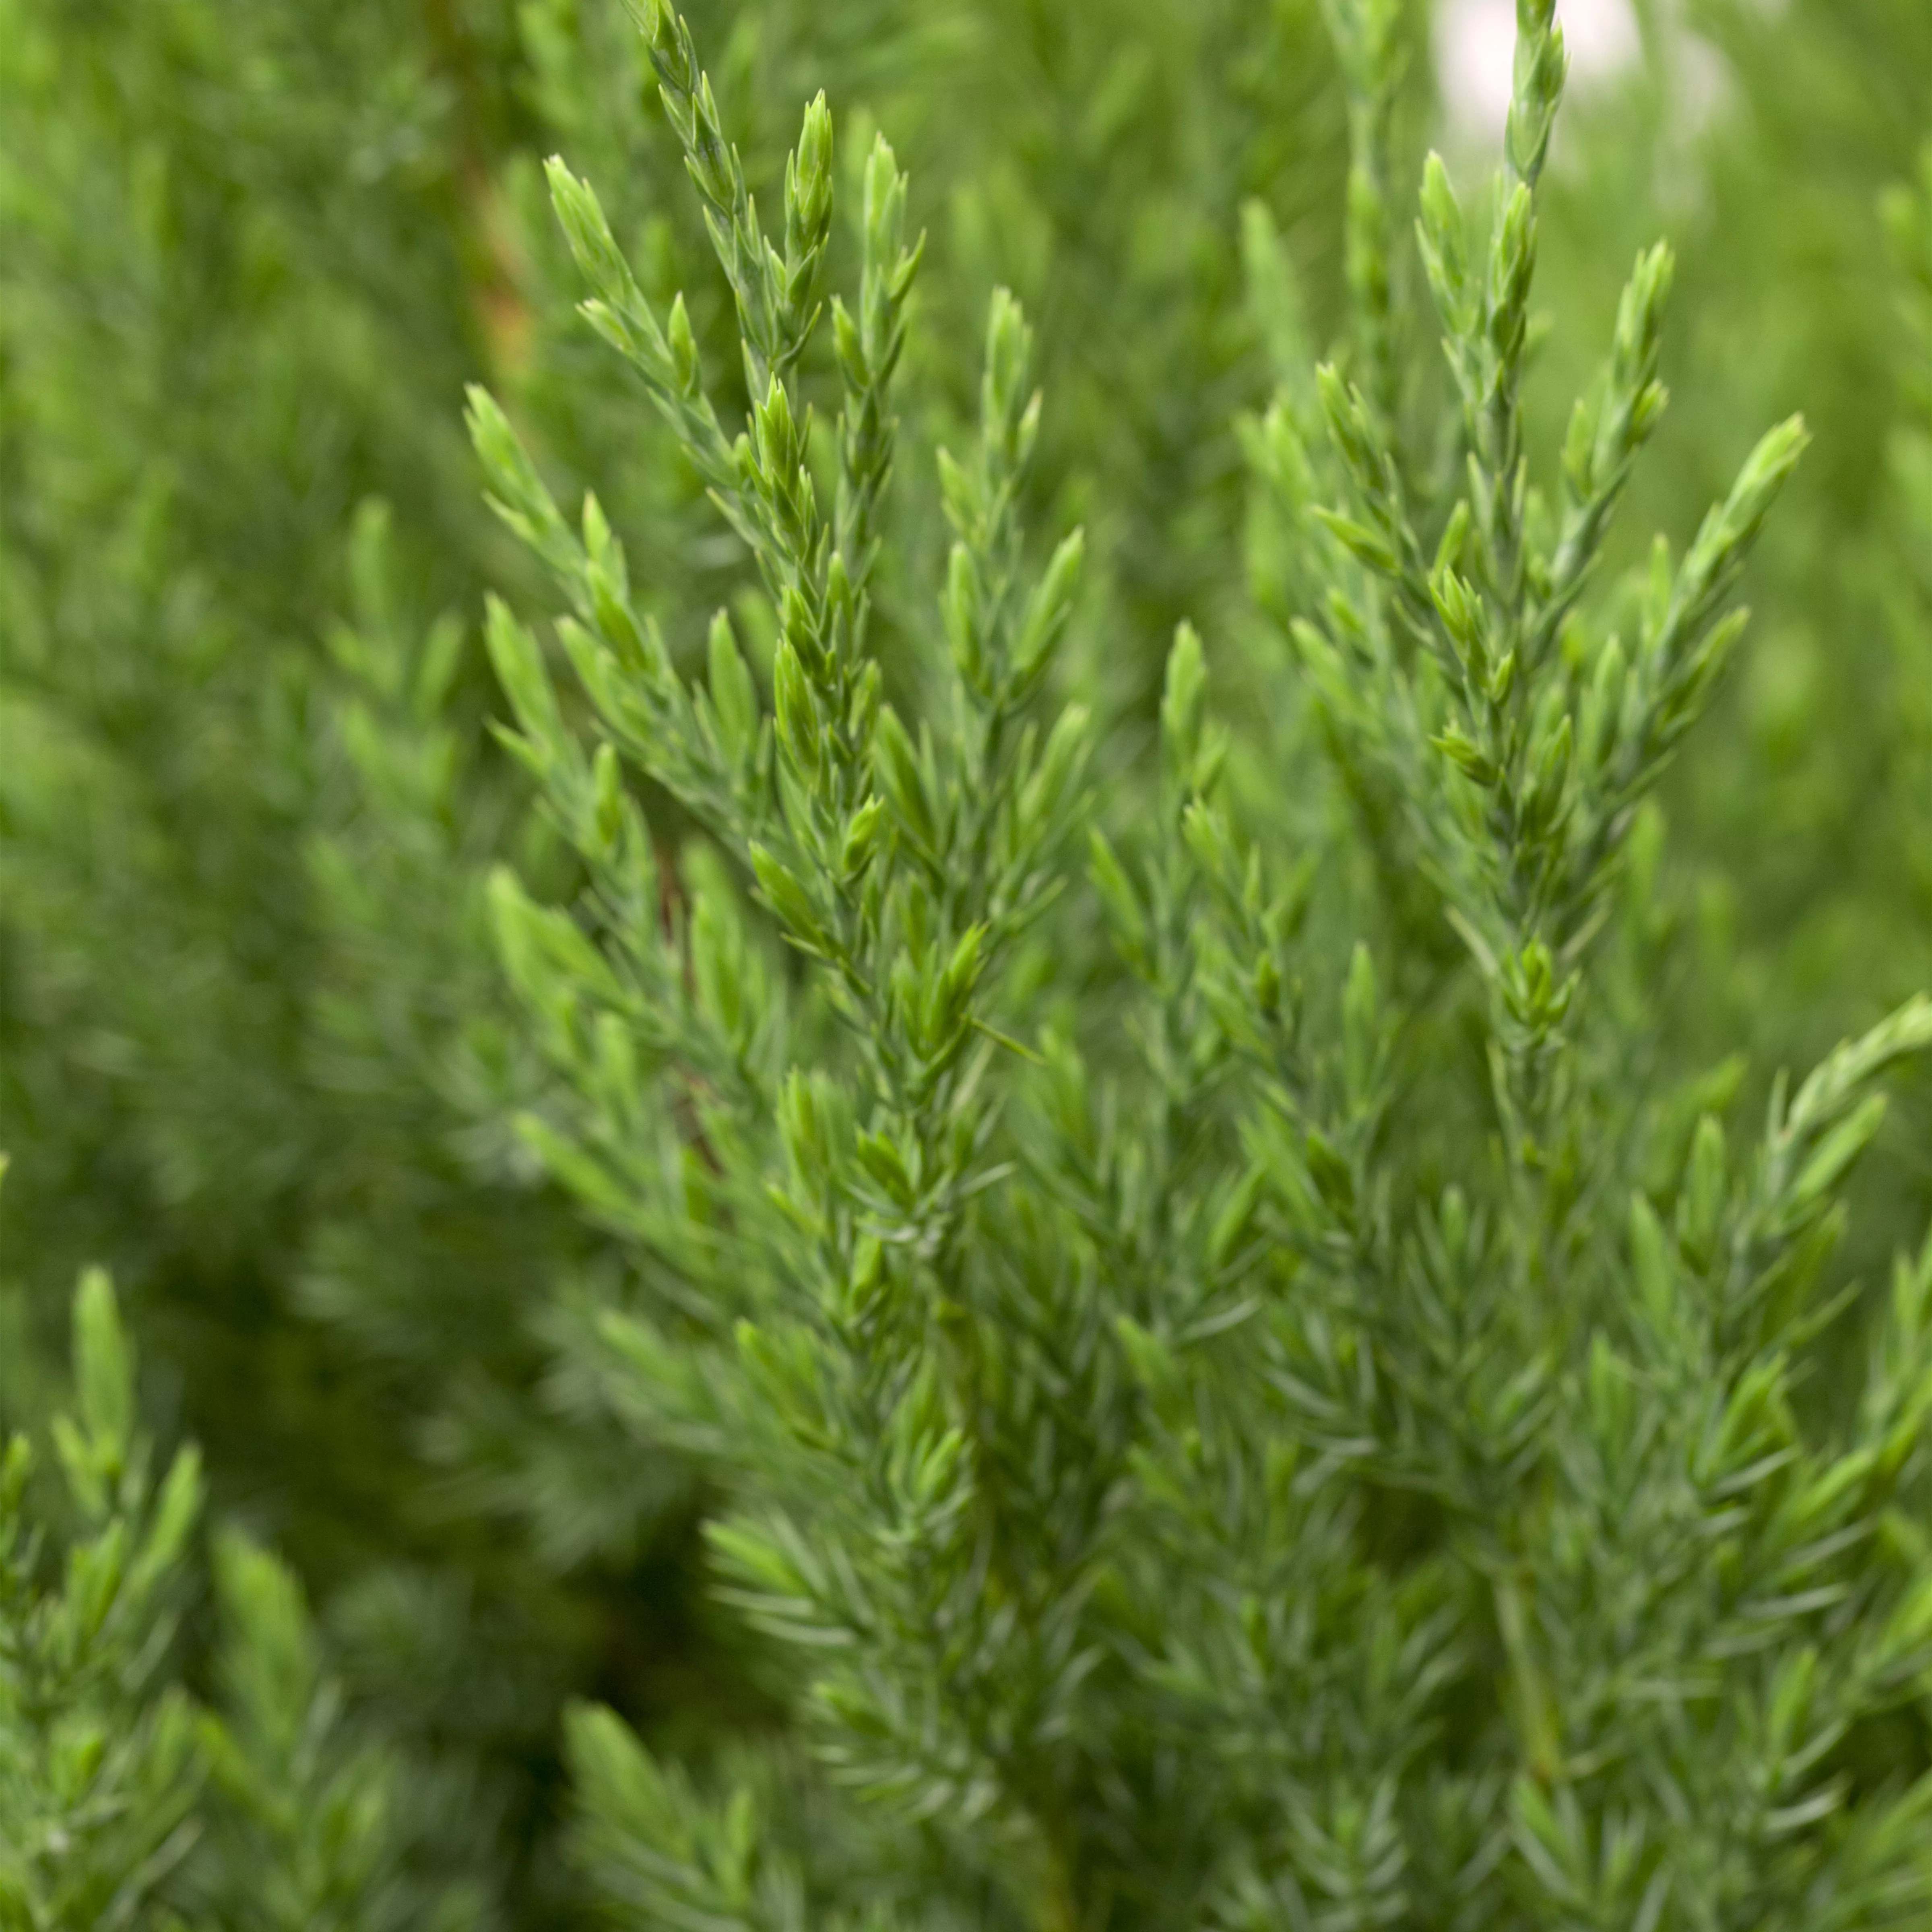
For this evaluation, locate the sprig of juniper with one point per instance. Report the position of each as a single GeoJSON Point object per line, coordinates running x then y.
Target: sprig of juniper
{"type": "Point", "coordinates": [902, 869]}
{"type": "Point", "coordinates": [1144, 1497]}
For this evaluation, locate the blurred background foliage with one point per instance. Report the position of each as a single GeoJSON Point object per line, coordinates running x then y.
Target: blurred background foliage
{"type": "Point", "coordinates": [254, 1050]}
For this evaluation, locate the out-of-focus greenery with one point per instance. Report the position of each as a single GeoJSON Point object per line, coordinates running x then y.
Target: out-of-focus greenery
{"type": "Point", "coordinates": [255, 1049]}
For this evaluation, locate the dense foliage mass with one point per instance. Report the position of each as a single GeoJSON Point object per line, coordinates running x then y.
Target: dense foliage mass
{"type": "Point", "coordinates": [1058, 1195]}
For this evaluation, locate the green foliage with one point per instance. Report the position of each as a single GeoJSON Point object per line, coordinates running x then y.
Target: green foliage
{"type": "Point", "coordinates": [256, 1049]}
{"type": "Point", "coordinates": [1178, 1482]}
{"type": "Point", "coordinates": [99, 1768]}
{"type": "Point", "coordinates": [1184, 1218]}
{"type": "Point", "coordinates": [309, 1834]}
{"type": "Point", "coordinates": [123, 1800]}
{"type": "Point", "coordinates": [218, 337]}
{"type": "Point", "coordinates": [1796, 822]}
